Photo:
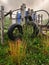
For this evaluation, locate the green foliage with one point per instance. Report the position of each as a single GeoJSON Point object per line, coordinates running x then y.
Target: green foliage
{"type": "Point", "coordinates": [7, 23]}
{"type": "Point", "coordinates": [37, 53]}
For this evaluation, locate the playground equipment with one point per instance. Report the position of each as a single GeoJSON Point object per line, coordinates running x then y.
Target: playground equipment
{"type": "Point", "coordinates": [23, 21]}
{"type": "Point", "coordinates": [12, 28]}
{"type": "Point", "coordinates": [35, 25]}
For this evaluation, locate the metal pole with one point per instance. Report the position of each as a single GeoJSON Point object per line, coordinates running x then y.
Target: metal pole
{"type": "Point", "coordinates": [41, 22]}
{"type": "Point", "coordinates": [10, 16]}
{"type": "Point", "coordinates": [2, 24]}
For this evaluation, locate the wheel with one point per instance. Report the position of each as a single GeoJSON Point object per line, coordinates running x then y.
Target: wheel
{"type": "Point", "coordinates": [15, 32]}
{"type": "Point", "coordinates": [34, 28]}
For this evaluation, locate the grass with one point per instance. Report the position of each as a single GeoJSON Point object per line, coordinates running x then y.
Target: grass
{"type": "Point", "coordinates": [36, 52]}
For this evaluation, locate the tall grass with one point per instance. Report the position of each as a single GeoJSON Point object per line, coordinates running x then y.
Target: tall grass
{"type": "Point", "coordinates": [36, 51]}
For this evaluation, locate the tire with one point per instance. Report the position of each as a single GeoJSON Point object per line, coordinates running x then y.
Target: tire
{"type": "Point", "coordinates": [11, 29]}
{"type": "Point", "coordinates": [35, 29]}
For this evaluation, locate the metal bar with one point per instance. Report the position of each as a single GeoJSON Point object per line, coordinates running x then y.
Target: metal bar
{"type": "Point", "coordinates": [45, 12]}
{"type": "Point", "coordinates": [2, 24]}
{"type": "Point", "coordinates": [8, 13]}
{"type": "Point", "coordinates": [15, 10]}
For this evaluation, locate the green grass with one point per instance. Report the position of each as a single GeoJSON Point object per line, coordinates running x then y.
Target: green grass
{"type": "Point", "coordinates": [37, 51]}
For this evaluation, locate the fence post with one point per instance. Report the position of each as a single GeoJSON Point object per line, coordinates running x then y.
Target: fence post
{"type": "Point", "coordinates": [10, 16]}
{"type": "Point", "coordinates": [41, 18]}
{"type": "Point", "coordinates": [38, 18]}
{"type": "Point", "coordinates": [2, 24]}
{"type": "Point", "coordinates": [41, 21]}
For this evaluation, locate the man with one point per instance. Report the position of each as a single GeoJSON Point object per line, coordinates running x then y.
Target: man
{"type": "Point", "coordinates": [33, 15]}
{"type": "Point", "coordinates": [23, 9]}
{"type": "Point", "coordinates": [18, 18]}
{"type": "Point", "coordinates": [28, 16]}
